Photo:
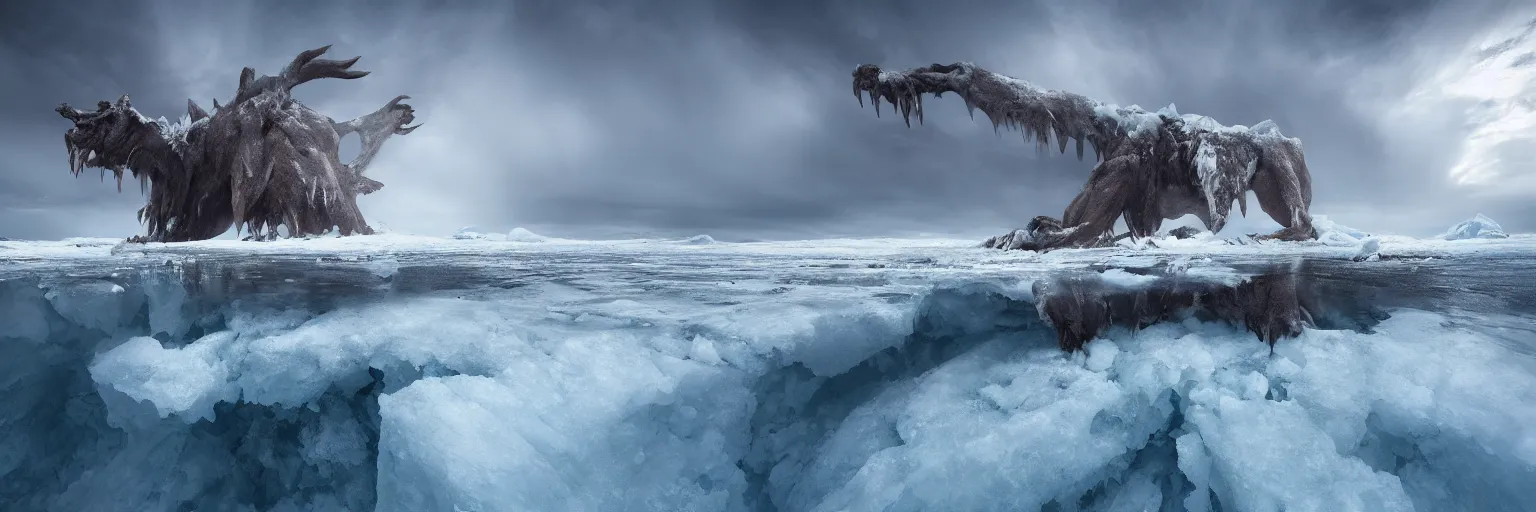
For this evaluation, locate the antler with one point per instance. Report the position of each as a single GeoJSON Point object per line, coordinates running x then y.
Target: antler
{"type": "Point", "coordinates": [307, 67]}
{"type": "Point", "coordinates": [304, 68]}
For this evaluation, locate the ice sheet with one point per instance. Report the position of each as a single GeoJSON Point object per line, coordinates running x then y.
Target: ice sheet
{"type": "Point", "coordinates": [407, 373]}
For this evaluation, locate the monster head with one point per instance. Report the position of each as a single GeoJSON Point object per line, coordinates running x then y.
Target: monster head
{"type": "Point", "coordinates": [107, 138]}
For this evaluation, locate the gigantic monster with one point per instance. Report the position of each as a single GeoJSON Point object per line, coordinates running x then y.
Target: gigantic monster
{"type": "Point", "coordinates": [262, 162]}
{"type": "Point", "coordinates": [1151, 166]}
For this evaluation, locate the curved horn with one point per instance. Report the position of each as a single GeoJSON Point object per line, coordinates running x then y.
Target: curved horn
{"type": "Point", "coordinates": [307, 66]}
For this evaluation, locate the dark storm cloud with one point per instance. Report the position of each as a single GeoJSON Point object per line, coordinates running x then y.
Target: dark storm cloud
{"type": "Point", "coordinates": [601, 118]}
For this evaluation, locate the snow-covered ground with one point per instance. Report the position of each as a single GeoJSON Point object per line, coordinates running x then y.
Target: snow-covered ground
{"type": "Point", "coordinates": [521, 372]}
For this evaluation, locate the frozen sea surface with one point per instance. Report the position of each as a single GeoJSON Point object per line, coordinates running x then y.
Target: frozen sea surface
{"type": "Point", "coordinates": [509, 373]}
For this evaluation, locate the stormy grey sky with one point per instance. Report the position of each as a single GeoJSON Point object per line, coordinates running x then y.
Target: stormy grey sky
{"type": "Point", "coordinates": [609, 118]}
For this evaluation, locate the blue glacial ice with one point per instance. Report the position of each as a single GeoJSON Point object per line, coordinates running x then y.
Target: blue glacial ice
{"type": "Point", "coordinates": [399, 374]}
{"type": "Point", "coordinates": [1478, 226]}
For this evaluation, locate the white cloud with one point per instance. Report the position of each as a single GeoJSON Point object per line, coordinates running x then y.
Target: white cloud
{"type": "Point", "coordinates": [1491, 85]}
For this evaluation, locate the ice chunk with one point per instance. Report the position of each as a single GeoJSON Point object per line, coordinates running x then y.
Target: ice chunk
{"type": "Point", "coordinates": [1122, 279]}
{"type": "Point", "coordinates": [185, 381]}
{"type": "Point", "coordinates": [523, 235]}
{"type": "Point", "coordinates": [1101, 354]}
{"type": "Point", "coordinates": [1195, 463]}
{"type": "Point", "coordinates": [1257, 446]}
{"type": "Point", "coordinates": [799, 332]}
{"type": "Point", "coordinates": [1334, 234]}
{"type": "Point", "coordinates": [699, 240]}
{"type": "Point", "coordinates": [468, 233]}
{"type": "Point", "coordinates": [167, 298]}
{"type": "Point", "coordinates": [601, 423]}
{"type": "Point", "coordinates": [1434, 386]}
{"type": "Point", "coordinates": [1369, 249]}
{"type": "Point", "coordinates": [295, 367]}
{"type": "Point", "coordinates": [703, 351]}
{"type": "Point", "coordinates": [1049, 427]}
{"type": "Point", "coordinates": [95, 304]}
{"type": "Point", "coordinates": [1476, 227]}
{"type": "Point", "coordinates": [24, 310]}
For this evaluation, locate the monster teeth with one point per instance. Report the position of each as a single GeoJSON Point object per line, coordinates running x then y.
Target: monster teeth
{"type": "Point", "coordinates": [76, 161]}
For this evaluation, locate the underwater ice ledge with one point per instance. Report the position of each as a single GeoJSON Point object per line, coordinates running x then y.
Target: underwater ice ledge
{"type": "Point", "coordinates": [549, 396]}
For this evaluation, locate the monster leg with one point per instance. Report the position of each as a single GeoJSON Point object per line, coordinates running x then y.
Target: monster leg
{"type": "Point", "coordinates": [1088, 219]}
{"type": "Point", "coordinates": [1280, 192]}
{"type": "Point", "coordinates": [1093, 212]}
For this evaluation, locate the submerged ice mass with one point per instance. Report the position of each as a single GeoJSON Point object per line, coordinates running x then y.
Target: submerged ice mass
{"type": "Point", "coordinates": [488, 374]}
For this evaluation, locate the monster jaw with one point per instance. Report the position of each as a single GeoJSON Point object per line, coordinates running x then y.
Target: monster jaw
{"type": "Point", "coordinates": [82, 158]}
{"type": "Point", "coordinates": [905, 90]}
{"type": "Point", "coordinates": [120, 153]}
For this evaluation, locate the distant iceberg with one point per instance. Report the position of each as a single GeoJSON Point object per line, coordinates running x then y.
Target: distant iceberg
{"type": "Point", "coordinates": [468, 233]}
{"type": "Point", "coordinates": [1335, 234]}
{"type": "Point", "coordinates": [1478, 227]}
{"type": "Point", "coordinates": [523, 235]}
{"type": "Point", "coordinates": [516, 235]}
